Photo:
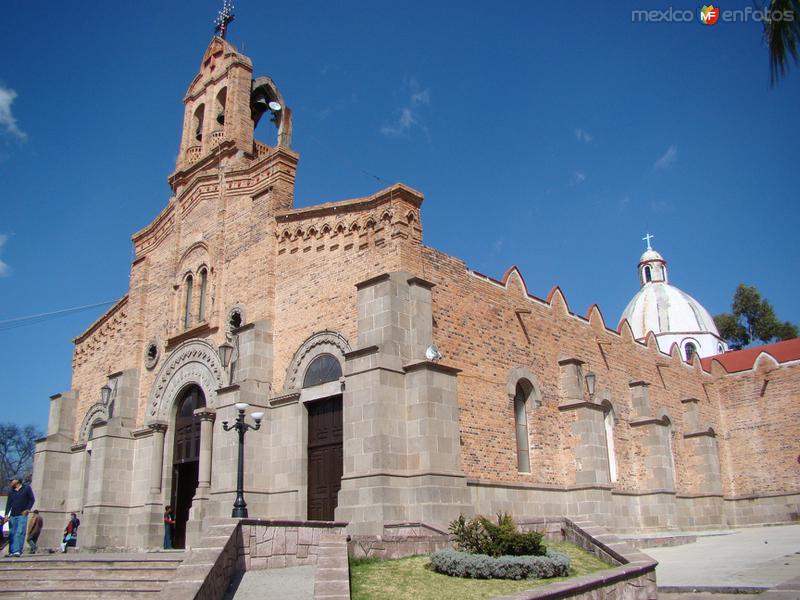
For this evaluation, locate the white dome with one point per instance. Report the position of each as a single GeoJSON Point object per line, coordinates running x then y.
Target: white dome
{"type": "Point", "coordinates": [662, 308]}
{"type": "Point", "coordinates": [671, 314]}
{"type": "Point", "coordinates": [650, 255]}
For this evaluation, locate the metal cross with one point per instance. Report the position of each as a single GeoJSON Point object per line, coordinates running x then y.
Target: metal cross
{"type": "Point", "coordinates": [224, 17]}
{"type": "Point", "coordinates": [647, 239]}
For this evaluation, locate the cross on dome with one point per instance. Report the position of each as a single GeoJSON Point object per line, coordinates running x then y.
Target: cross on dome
{"type": "Point", "coordinates": [647, 239]}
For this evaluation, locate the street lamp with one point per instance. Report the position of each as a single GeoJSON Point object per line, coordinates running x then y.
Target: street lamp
{"type": "Point", "coordinates": [239, 505]}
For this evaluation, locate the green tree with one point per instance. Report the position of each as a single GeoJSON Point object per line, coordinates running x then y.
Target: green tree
{"type": "Point", "coordinates": [17, 445]}
{"type": "Point", "coordinates": [782, 35]}
{"type": "Point", "coordinates": [752, 319]}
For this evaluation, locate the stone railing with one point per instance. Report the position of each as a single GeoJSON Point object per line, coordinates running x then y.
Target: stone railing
{"type": "Point", "coordinates": [193, 153]}
{"type": "Point", "coordinates": [217, 137]}
{"type": "Point", "coordinates": [206, 572]}
{"type": "Point", "coordinates": [260, 149]}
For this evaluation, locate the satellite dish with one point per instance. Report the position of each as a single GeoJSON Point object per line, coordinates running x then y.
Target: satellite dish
{"type": "Point", "coordinates": [432, 353]}
{"type": "Point", "coordinates": [275, 106]}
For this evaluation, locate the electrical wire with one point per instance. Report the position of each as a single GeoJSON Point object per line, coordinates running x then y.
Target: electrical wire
{"type": "Point", "coordinates": [8, 324]}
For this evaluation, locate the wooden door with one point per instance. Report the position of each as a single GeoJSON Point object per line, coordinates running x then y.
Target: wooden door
{"type": "Point", "coordinates": [325, 457]}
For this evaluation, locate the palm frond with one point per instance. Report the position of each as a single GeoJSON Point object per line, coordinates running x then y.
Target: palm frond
{"type": "Point", "coordinates": [782, 36]}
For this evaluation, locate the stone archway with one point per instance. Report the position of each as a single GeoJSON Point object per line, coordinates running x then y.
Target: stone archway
{"type": "Point", "coordinates": [194, 362]}
{"type": "Point", "coordinates": [324, 342]}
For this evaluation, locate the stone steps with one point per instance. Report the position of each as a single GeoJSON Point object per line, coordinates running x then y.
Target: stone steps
{"type": "Point", "coordinates": [87, 576]}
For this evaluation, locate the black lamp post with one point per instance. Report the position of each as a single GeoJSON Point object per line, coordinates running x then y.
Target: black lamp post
{"type": "Point", "coordinates": [239, 505]}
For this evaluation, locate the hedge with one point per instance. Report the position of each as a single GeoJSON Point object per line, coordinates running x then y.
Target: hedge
{"type": "Point", "coordinates": [481, 566]}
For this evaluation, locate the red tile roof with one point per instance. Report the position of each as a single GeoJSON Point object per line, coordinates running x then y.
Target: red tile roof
{"type": "Point", "coordinates": [742, 360]}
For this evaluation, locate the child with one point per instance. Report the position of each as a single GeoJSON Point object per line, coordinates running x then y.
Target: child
{"type": "Point", "coordinates": [71, 533]}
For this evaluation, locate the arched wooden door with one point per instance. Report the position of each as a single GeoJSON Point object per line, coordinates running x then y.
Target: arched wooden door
{"type": "Point", "coordinates": [185, 459]}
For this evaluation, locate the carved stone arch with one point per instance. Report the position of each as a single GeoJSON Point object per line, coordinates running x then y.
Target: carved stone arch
{"type": "Point", "coordinates": [193, 362]}
{"type": "Point", "coordinates": [97, 412]}
{"type": "Point", "coordinates": [518, 373]}
{"type": "Point", "coordinates": [184, 263]}
{"type": "Point", "coordinates": [324, 342]}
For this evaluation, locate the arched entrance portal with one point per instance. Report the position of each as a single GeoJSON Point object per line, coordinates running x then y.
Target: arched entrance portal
{"type": "Point", "coordinates": [185, 459]}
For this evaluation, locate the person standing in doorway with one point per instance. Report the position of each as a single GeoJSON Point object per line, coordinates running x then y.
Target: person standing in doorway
{"type": "Point", "coordinates": [20, 501]}
{"type": "Point", "coordinates": [169, 527]}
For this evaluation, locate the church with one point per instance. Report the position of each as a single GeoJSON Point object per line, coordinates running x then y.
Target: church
{"type": "Point", "coordinates": [387, 382]}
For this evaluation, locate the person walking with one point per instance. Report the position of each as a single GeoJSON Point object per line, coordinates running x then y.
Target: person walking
{"type": "Point", "coordinates": [71, 533]}
{"type": "Point", "coordinates": [169, 527]}
{"type": "Point", "coordinates": [20, 501]}
{"type": "Point", "coordinates": [35, 524]}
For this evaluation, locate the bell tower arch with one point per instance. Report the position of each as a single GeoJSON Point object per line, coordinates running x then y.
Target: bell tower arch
{"type": "Point", "coordinates": [224, 103]}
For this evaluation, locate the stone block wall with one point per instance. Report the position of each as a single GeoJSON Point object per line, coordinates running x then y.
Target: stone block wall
{"type": "Point", "coordinates": [270, 544]}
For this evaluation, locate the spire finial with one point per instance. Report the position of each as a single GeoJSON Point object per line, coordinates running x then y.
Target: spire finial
{"type": "Point", "coordinates": [647, 239]}
{"type": "Point", "coordinates": [224, 17]}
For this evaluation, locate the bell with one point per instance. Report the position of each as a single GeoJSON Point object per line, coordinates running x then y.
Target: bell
{"type": "Point", "coordinates": [221, 117]}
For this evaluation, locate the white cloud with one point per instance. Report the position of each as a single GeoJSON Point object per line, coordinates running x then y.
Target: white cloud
{"type": "Point", "coordinates": [666, 160]}
{"type": "Point", "coordinates": [408, 116]}
{"type": "Point", "coordinates": [583, 136]}
{"type": "Point", "coordinates": [578, 177]}
{"type": "Point", "coordinates": [7, 120]}
{"type": "Point", "coordinates": [5, 270]}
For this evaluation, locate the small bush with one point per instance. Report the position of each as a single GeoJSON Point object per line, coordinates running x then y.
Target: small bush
{"type": "Point", "coordinates": [481, 536]}
{"type": "Point", "coordinates": [481, 566]}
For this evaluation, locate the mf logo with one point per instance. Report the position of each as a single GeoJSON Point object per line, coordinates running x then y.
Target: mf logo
{"type": "Point", "coordinates": [709, 14]}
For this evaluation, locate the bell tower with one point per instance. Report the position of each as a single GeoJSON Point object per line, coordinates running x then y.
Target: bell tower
{"type": "Point", "coordinates": [222, 108]}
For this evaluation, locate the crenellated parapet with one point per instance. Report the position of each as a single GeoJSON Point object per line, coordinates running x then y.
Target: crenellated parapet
{"type": "Point", "coordinates": [393, 213]}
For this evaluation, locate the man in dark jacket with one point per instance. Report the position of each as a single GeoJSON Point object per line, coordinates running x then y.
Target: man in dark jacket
{"type": "Point", "coordinates": [20, 501]}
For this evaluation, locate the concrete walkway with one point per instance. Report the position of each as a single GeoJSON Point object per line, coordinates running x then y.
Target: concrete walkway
{"type": "Point", "coordinates": [744, 560]}
{"type": "Point", "coordinates": [291, 583]}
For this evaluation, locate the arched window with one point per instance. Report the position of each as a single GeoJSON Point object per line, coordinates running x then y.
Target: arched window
{"type": "Point", "coordinates": [187, 308]}
{"type": "Point", "coordinates": [608, 421]}
{"type": "Point", "coordinates": [197, 122]}
{"type": "Point", "coordinates": [322, 369]}
{"type": "Point", "coordinates": [648, 275]}
{"type": "Point", "coordinates": [720, 349]}
{"type": "Point", "coordinates": [690, 350]}
{"type": "Point", "coordinates": [523, 392]}
{"type": "Point", "coordinates": [201, 313]}
{"type": "Point", "coordinates": [221, 99]}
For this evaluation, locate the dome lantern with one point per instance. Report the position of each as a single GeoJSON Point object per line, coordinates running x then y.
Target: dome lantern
{"type": "Point", "coordinates": [671, 314]}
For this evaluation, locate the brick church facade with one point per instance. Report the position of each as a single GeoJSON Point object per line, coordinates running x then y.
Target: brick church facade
{"type": "Point", "coordinates": [330, 311]}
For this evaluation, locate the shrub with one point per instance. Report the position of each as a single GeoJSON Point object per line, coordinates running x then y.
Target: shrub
{"type": "Point", "coordinates": [481, 566]}
{"type": "Point", "coordinates": [481, 536]}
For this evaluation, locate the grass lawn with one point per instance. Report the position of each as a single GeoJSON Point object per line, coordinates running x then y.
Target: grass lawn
{"type": "Point", "coordinates": [411, 579]}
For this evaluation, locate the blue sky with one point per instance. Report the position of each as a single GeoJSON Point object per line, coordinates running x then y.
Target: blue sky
{"type": "Point", "coordinates": [547, 135]}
